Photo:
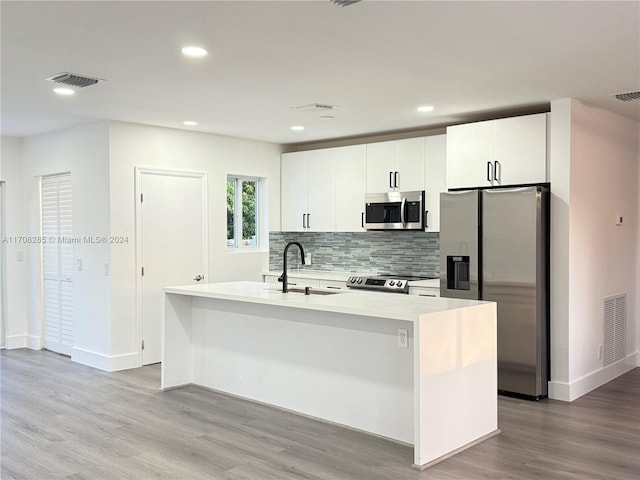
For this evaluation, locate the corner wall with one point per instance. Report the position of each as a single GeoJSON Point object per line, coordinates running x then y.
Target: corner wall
{"type": "Point", "coordinates": [15, 295]}
{"type": "Point", "coordinates": [134, 145]}
{"type": "Point", "coordinates": [592, 258]}
{"type": "Point", "coordinates": [84, 152]}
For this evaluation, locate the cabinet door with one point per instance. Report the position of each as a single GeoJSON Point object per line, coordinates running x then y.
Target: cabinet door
{"type": "Point", "coordinates": [294, 190]}
{"type": "Point", "coordinates": [321, 189]}
{"type": "Point", "coordinates": [435, 178]}
{"type": "Point", "coordinates": [351, 185]}
{"type": "Point", "coordinates": [409, 164]}
{"type": "Point", "coordinates": [469, 150]}
{"type": "Point", "coordinates": [380, 167]}
{"type": "Point", "coordinates": [520, 148]}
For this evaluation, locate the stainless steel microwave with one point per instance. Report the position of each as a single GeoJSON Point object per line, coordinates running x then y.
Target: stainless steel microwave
{"type": "Point", "coordinates": [394, 211]}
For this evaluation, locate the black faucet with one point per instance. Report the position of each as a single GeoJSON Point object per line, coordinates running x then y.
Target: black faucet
{"type": "Point", "coordinates": [283, 277]}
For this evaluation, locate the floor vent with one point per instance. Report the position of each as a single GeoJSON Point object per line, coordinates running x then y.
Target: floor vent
{"type": "Point", "coordinates": [614, 328]}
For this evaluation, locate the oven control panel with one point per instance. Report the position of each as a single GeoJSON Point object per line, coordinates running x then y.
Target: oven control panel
{"type": "Point", "coordinates": [379, 284]}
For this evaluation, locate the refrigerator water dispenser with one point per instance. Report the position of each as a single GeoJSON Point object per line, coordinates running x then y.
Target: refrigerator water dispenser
{"type": "Point", "coordinates": [458, 272]}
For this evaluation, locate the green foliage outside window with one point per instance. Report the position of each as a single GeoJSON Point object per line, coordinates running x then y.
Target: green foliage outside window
{"type": "Point", "coordinates": [243, 206]}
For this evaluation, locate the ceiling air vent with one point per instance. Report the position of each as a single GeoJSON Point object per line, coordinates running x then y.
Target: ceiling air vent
{"type": "Point", "coordinates": [315, 107]}
{"type": "Point", "coordinates": [628, 97]}
{"type": "Point", "coordinates": [73, 79]}
{"type": "Point", "coordinates": [344, 3]}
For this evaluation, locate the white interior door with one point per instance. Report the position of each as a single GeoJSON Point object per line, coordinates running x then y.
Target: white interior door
{"type": "Point", "coordinates": [3, 335]}
{"type": "Point", "coordinates": [57, 263]}
{"type": "Point", "coordinates": [173, 230]}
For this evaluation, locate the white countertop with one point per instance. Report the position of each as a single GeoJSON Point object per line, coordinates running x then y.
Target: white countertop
{"type": "Point", "coordinates": [343, 276]}
{"type": "Point", "coordinates": [371, 304]}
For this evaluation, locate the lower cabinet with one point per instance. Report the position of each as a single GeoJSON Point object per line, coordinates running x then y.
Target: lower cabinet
{"type": "Point", "coordinates": [424, 291]}
{"type": "Point", "coordinates": [293, 281]}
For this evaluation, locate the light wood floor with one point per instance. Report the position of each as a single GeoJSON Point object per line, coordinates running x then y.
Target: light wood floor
{"type": "Point", "coordinates": [64, 420]}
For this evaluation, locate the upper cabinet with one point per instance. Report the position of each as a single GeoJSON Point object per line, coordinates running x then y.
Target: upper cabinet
{"type": "Point", "coordinates": [323, 190]}
{"type": "Point", "coordinates": [351, 186]}
{"type": "Point", "coordinates": [497, 152]}
{"type": "Point", "coordinates": [435, 179]}
{"type": "Point", "coordinates": [396, 165]}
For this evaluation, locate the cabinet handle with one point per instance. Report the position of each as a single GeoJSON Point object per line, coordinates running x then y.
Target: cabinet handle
{"type": "Point", "coordinates": [490, 172]}
{"type": "Point", "coordinates": [335, 288]}
{"type": "Point", "coordinates": [390, 179]}
{"type": "Point", "coordinates": [303, 219]}
{"type": "Point", "coordinates": [308, 220]}
{"type": "Point", "coordinates": [362, 219]}
{"type": "Point", "coordinates": [497, 168]}
{"type": "Point", "coordinates": [395, 179]}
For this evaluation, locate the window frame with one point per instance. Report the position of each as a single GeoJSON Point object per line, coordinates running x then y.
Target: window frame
{"type": "Point", "coordinates": [238, 240]}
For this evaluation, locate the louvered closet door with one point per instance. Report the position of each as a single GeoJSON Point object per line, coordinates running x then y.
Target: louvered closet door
{"type": "Point", "coordinates": [57, 263]}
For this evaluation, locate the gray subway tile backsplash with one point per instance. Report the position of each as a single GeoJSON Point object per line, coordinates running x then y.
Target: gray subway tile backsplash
{"type": "Point", "coordinates": [377, 252]}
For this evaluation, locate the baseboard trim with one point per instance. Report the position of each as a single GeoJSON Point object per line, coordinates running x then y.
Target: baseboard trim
{"type": "Point", "coordinates": [34, 342]}
{"type": "Point", "coordinates": [15, 341]}
{"type": "Point", "coordinates": [568, 392]}
{"type": "Point", "coordinates": [424, 466]}
{"type": "Point", "coordinates": [105, 362]}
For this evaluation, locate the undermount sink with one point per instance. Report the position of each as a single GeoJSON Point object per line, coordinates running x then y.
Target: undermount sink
{"type": "Point", "coordinates": [313, 291]}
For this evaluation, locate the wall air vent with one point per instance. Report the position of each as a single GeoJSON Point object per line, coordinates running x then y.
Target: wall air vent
{"type": "Point", "coordinates": [315, 107]}
{"type": "Point", "coordinates": [628, 97]}
{"type": "Point", "coordinates": [74, 80]}
{"type": "Point", "coordinates": [614, 328]}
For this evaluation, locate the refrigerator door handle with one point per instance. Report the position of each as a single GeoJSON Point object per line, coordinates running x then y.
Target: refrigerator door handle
{"type": "Point", "coordinates": [497, 168]}
{"type": "Point", "coordinates": [490, 172]}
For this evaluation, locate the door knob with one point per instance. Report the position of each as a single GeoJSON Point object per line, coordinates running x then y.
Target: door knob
{"type": "Point", "coordinates": [198, 277]}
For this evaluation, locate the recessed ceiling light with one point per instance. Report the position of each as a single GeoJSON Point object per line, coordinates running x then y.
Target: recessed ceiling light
{"type": "Point", "coordinates": [425, 108]}
{"type": "Point", "coordinates": [190, 123]}
{"type": "Point", "coordinates": [297, 128]}
{"type": "Point", "coordinates": [195, 52]}
{"type": "Point", "coordinates": [64, 91]}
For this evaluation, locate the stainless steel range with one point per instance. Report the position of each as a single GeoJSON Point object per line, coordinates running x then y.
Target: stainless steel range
{"type": "Point", "coordinates": [385, 283]}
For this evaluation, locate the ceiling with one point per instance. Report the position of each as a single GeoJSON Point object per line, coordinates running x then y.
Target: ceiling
{"type": "Point", "coordinates": [376, 60]}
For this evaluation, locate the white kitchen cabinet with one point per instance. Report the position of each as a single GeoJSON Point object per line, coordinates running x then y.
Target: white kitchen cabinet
{"type": "Point", "coordinates": [469, 152]}
{"type": "Point", "coordinates": [520, 148]}
{"type": "Point", "coordinates": [435, 178]}
{"type": "Point", "coordinates": [294, 191]}
{"type": "Point", "coordinates": [350, 188]}
{"type": "Point", "coordinates": [333, 285]}
{"type": "Point", "coordinates": [396, 165]}
{"type": "Point", "coordinates": [308, 191]}
{"type": "Point", "coordinates": [497, 152]}
{"type": "Point", "coordinates": [321, 189]}
{"type": "Point", "coordinates": [293, 281]}
{"type": "Point", "coordinates": [424, 291]}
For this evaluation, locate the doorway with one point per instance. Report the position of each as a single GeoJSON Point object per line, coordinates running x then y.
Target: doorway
{"type": "Point", "coordinates": [171, 243]}
{"type": "Point", "coordinates": [56, 196]}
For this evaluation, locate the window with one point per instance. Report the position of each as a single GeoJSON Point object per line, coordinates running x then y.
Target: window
{"type": "Point", "coordinates": [243, 218]}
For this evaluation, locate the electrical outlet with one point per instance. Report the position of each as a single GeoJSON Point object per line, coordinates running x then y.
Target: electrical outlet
{"type": "Point", "coordinates": [619, 219]}
{"type": "Point", "coordinates": [79, 264]}
{"type": "Point", "coordinates": [307, 259]}
{"type": "Point", "coordinates": [106, 269]}
{"type": "Point", "coordinates": [403, 338]}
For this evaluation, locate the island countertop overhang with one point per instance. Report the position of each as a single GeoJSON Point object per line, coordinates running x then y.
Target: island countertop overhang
{"type": "Point", "coordinates": [371, 304]}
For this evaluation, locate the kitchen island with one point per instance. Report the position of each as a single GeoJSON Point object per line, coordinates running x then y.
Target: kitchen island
{"type": "Point", "coordinates": [416, 370]}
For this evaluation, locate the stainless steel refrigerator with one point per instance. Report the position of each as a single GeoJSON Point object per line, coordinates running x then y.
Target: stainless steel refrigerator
{"type": "Point", "coordinates": [494, 245]}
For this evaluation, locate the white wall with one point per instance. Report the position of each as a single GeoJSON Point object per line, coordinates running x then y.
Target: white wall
{"type": "Point", "coordinates": [592, 258]}
{"type": "Point", "coordinates": [134, 145]}
{"type": "Point", "coordinates": [84, 152]}
{"type": "Point", "coordinates": [15, 308]}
